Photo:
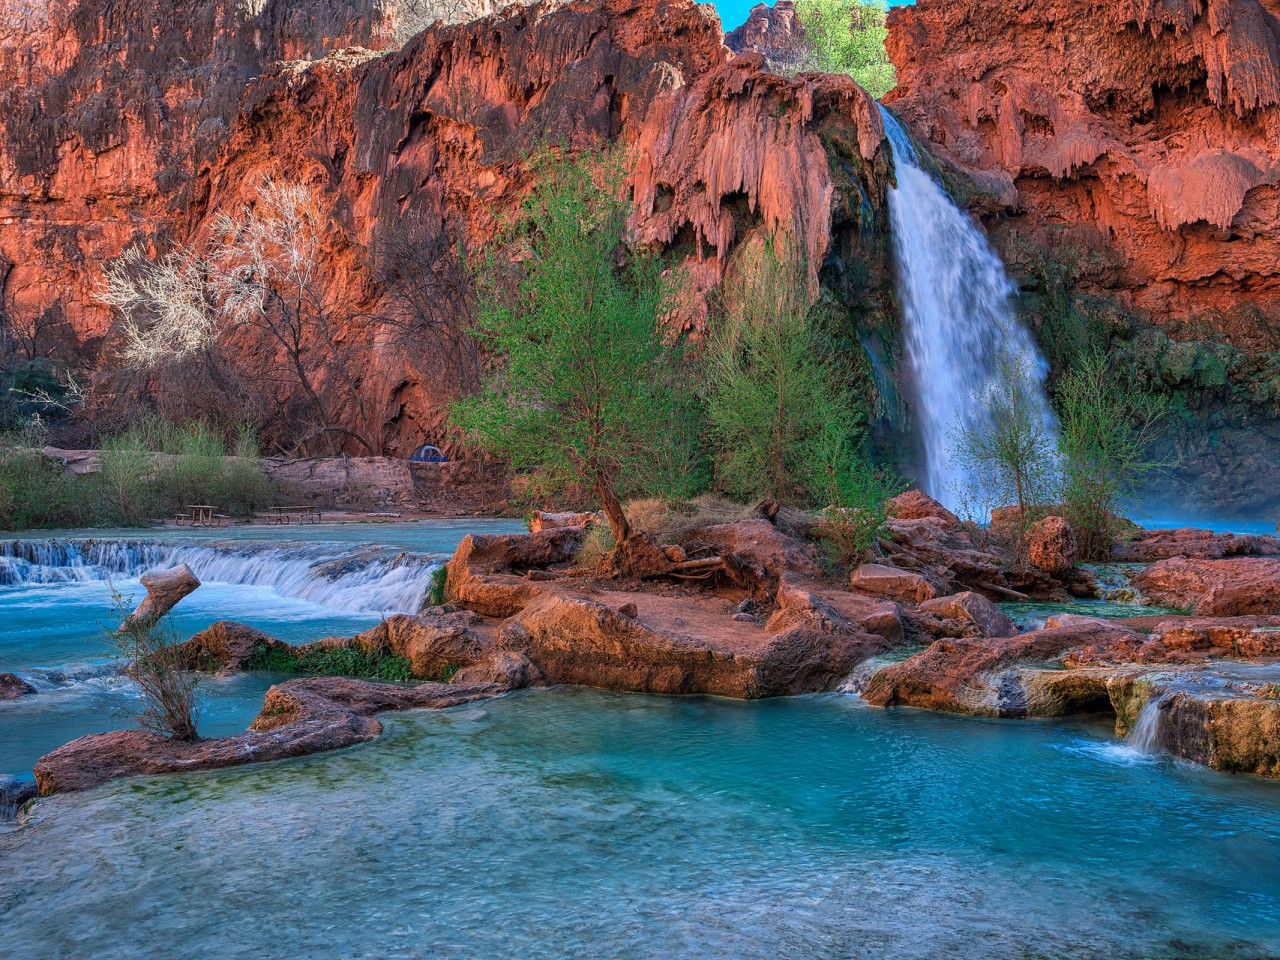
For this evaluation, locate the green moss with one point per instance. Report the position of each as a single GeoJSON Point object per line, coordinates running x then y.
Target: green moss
{"type": "Point", "coordinates": [334, 662]}
{"type": "Point", "coordinates": [439, 579]}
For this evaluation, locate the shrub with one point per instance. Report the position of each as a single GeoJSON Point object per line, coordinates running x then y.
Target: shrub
{"type": "Point", "coordinates": [856, 518]}
{"type": "Point", "coordinates": [777, 397]}
{"type": "Point", "coordinates": [588, 379]}
{"type": "Point", "coordinates": [168, 705]}
{"type": "Point", "coordinates": [331, 662]}
{"type": "Point", "coordinates": [1107, 430]}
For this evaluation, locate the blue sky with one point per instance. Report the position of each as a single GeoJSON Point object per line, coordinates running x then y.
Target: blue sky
{"type": "Point", "coordinates": [733, 12]}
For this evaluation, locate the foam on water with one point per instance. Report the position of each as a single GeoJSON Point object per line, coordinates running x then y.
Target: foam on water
{"type": "Point", "coordinates": [366, 579]}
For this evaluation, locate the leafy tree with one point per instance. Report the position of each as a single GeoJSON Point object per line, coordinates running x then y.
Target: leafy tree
{"type": "Point", "coordinates": [778, 400]}
{"type": "Point", "coordinates": [1107, 431]}
{"type": "Point", "coordinates": [1011, 449]}
{"type": "Point", "coordinates": [846, 36]}
{"type": "Point", "coordinates": [586, 386]}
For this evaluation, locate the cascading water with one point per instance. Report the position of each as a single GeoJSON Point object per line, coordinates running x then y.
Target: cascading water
{"type": "Point", "coordinates": [1145, 735]}
{"type": "Point", "coordinates": [962, 337]}
{"type": "Point", "coordinates": [360, 580]}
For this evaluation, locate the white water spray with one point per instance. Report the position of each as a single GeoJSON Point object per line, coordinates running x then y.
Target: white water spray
{"type": "Point", "coordinates": [367, 579]}
{"type": "Point", "coordinates": [961, 332]}
{"type": "Point", "coordinates": [1145, 735]}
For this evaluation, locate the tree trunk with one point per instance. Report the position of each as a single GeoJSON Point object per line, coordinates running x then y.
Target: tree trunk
{"type": "Point", "coordinates": [618, 522]}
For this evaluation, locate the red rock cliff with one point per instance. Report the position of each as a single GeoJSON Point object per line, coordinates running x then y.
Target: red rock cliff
{"type": "Point", "coordinates": [1150, 128]}
{"type": "Point", "coordinates": [162, 129]}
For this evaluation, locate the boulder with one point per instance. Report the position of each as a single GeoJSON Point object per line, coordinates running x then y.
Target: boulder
{"type": "Point", "coordinates": [483, 571]}
{"type": "Point", "coordinates": [540, 520]}
{"type": "Point", "coordinates": [678, 645]}
{"type": "Point", "coordinates": [299, 717]}
{"type": "Point", "coordinates": [1051, 546]}
{"type": "Point", "coordinates": [164, 589]}
{"type": "Point", "coordinates": [972, 608]}
{"type": "Point", "coordinates": [225, 646]}
{"type": "Point", "coordinates": [916, 505]}
{"type": "Point", "coordinates": [505, 667]}
{"type": "Point", "coordinates": [883, 581]}
{"type": "Point", "coordinates": [1216, 588]}
{"type": "Point", "coordinates": [13, 686]}
{"type": "Point", "coordinates": [432, 644]}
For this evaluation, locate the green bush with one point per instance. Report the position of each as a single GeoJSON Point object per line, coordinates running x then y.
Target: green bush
{"type": "Point", "coordinates": [333, 662]}
{"type": "Point", "coordinates": [149, 471]}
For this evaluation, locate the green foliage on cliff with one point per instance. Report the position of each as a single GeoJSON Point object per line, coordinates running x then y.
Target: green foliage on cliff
{"type": "Point", "coordinates": [588, 383]}
{"type": "Point", "coordinates": [782, 412]}
{"type": "Point", "coordinates": [847, 36]}
{"type": "Point", "coordinates": [1108, 430]}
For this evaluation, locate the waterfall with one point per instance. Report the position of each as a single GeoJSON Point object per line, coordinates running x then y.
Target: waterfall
{"type": "Point", "coordinates": [960, 330]}
{"type": "Point", "coordinates": [1145, 735]}
{"type": "Point", "coordinates": [366, 579]}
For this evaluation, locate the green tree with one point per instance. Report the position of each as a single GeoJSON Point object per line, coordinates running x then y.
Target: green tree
{"type": "Point", "coordinates": [1010, 450]}
{"type": "Point", "coordinates": [846, 36]}
{"type": "Point", "coordinates": [778, 399]}
{"type": "Point", "coordinates": [1107, 432]}
{"type": "Point", "coordinates": [587, 380]}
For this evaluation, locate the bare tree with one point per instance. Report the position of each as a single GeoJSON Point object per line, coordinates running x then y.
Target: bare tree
{"type": "Point", "coordinates": [428, 298]}
{"type": "Point", "coordinates": [263, 274]}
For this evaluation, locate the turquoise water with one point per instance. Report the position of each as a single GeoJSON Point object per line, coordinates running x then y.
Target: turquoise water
{"type": "Point", "coordinates": [52, 626]}
{"type": "Point", "coordinates": [574, 823]}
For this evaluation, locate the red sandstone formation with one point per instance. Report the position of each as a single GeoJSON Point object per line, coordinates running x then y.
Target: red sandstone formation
{"type": "Point", "coordinates": [1147, 546]}
{"type": "Point", "coordinates": [433, 135]}
{"type": "Point", "coordinates": [1149, 132]}
{"type": "Point", "coordinates": [771, 31]}
{"type": "Point", "coordinates": [1214, 588]}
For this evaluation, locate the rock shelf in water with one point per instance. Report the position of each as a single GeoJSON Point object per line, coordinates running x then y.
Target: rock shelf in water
{"type": "Point", "coordinates": [521, 612]}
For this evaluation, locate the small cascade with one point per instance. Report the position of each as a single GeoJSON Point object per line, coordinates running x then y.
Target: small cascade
{"type": "Point", "coordinates": [349, 579]}
{"type": "Point", "coordinates": [1145, 735]}
{"type": "Point", "coordinates": [71, 676]}
{"type": "Point", "coordinates": [960, 329]}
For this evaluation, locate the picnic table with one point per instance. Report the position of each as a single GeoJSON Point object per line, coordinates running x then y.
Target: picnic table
{"type": "Point", "coordinates": [285, 514]}
{"type": "Point", "coordinates": [200, 515]}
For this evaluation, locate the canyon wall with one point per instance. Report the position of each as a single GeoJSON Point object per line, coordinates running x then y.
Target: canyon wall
{"type": "Point", "coordinates": [148, 138]}
{"type": "Point", "coordinates": [1126, 157]}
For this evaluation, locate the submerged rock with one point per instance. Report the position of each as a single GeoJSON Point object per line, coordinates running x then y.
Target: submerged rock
{"type": "Point", "coordinates": [13, 686]}
{"type": "Point", "coordinates": [15, 793]}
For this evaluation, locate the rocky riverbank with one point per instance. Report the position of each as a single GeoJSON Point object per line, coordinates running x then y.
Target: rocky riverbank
{"type": "Point", "coordinates": [749, 610]}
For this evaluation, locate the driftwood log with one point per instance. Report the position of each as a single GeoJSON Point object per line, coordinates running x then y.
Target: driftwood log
{"type": "Point", "coordinates": [164, 589]}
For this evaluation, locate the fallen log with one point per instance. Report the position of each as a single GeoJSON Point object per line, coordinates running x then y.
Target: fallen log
{"type": "Point", "coordinates": [164, 589]}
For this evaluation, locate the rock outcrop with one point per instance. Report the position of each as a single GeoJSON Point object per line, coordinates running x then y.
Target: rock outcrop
{"type": "Point", "coordinates": [1214, 588]}
{"type": "Point", "coordinates": [1149, 129]}
{"type": "Point", "coordinates": [1127, 154]}
{"type": "Point", "coordinates": [298, 717]}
